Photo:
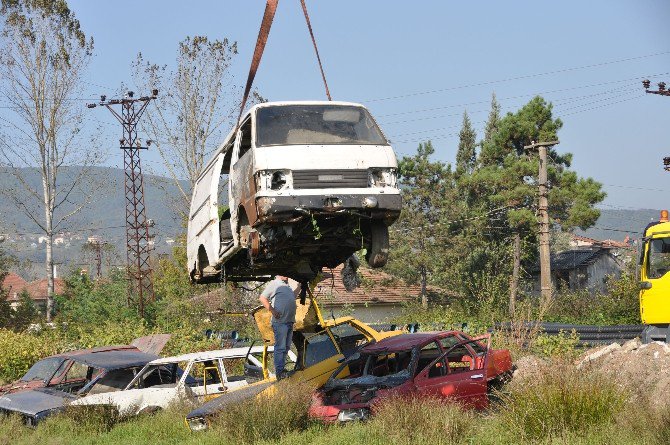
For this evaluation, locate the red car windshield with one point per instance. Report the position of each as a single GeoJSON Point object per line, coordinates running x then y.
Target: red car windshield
{"type": "Point", "coordinates": [43, 370]}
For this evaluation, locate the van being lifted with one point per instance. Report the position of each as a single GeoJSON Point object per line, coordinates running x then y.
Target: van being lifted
{"type": "Point", "coordinates": [300, 186]}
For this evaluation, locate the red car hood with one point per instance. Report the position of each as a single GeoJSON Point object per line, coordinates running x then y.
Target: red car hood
{"type": "Point", "coordinates": [20, 386]}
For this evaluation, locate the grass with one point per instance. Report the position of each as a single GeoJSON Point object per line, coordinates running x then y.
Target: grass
{"type": "Point", "coordinates": [557, 406]}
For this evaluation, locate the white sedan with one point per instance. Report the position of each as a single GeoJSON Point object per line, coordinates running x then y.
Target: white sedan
{"type": "Point", "coordinates": [196, 377]}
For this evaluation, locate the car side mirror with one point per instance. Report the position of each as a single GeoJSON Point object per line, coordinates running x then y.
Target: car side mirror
{"type": "Point", "coordinates": [644, 285]}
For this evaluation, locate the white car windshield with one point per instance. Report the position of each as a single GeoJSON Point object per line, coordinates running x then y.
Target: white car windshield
{"type": "Point", "coordinates": [316, 125]}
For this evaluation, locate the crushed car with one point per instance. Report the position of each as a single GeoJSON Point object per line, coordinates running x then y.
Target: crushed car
{"type": "Point", "coordinates": [319, 346]}
{"type": "Point", "coordinates": [449, 365]}
{"type": "Point", "coordinates": [196, 377]}
{"type": "Point", "coordinates": [298, 187]}
{"type": "Point", "coordinates": [87, 374]}
{"type": "Point", "coordinates": [53, 370]}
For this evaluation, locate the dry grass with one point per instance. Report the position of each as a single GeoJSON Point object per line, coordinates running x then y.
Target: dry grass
{"type": "Point", "coordinates": [561, 400]}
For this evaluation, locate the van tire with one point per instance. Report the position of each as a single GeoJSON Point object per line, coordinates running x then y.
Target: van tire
{"type": "Point", "coordinates": [378, 253]}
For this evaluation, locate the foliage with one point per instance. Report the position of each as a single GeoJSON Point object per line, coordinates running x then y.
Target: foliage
{"type": "Point", "coordinates": [561, 345]}
{"type": "Point", "coordinates": [19, 350]}
{"type": "Point", "coordinates": [43, 56]}
{"type": "Point", "coordinates": [420, 420]}
{"type": "Point", "coordinates": [466, 157]}
{"type": "Point", "coordinates": [95, 302]}
{"type": "Point", "coordinates": [562, 399]}
{"type": "Point", "coordinates": [25, 312]}
{"type": "Point", "coordinates": [561, 406]}
{"type": "Point", "coordinates": [194, 107]}
{"type": "Point", "coordinates": [267, 417]}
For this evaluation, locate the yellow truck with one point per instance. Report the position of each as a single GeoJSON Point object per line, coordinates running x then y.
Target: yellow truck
{"type": "Point", "coordinates": [655, 280]}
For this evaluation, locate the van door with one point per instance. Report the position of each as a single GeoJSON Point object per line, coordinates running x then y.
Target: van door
{"type": "Point", "coordinates": [203, 224]}
{"type": "Point", "coordinates": [243, 186]}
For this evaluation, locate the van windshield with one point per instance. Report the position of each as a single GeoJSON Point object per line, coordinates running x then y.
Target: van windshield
{"type": "Point", "coordinates": [316, 124]}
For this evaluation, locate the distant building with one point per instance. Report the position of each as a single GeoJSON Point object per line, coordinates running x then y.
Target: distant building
{"type": "Point", "coordinates": [380, 297]}
{"type": "Point", "coordinates": [585, 268]}
{"type": "Point", "coordinates": [13, 284]}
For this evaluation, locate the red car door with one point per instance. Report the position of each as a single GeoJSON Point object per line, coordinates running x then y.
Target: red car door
{"type": "Point", "coordinates": [456, 374]}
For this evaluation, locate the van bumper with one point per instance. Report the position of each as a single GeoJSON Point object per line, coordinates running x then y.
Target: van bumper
{"type": "Point", "coordinates": [290, 208]}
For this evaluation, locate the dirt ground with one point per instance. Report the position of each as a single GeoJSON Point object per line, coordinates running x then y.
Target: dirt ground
{"type": "Point", "coordinates": [643, 368]}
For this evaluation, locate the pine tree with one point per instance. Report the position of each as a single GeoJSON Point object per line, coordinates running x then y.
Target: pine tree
{"type": "Point", "coordinates": [466, 155]}
{"type": "Point", "coordinates": [417, 236]}
{"type": "Point", "coordinates": [493, 122]}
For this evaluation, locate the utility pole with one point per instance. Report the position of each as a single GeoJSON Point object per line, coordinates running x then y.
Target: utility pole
{"type": "Point", "coordinates": [543, 213]}
{"type": "Point", "coordinates": [96, 244]}
{"type": "Point", "coordinates": [662, 91]}
{"type": "Point", "coordinates": [138, 239]}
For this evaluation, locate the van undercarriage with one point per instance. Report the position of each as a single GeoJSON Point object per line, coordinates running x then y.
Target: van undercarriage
{"type": "Point", "coordinates": [301, 245]}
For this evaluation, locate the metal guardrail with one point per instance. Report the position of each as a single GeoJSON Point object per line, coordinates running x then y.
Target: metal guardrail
{"type": "Point", "coordinates": [589, 335]}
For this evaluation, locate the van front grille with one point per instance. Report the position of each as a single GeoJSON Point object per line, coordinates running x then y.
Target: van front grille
{"type": "Point", "coordinates": [320, 179]}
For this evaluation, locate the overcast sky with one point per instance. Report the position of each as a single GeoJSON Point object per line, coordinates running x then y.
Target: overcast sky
{"type": "Point", "coordinates": [418, 65]}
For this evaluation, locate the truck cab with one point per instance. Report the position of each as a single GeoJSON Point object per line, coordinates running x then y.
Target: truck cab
{"type": "Point", "coordinates": [655, 280]}
{"type": "Point", "coordinates": [296, 187]}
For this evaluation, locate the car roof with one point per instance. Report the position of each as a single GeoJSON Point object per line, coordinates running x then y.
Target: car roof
{"type": "Point", "coordinates": [95, 350]}
{"type": "Point", "coordinates": [302, 102]}
{"type": "Point", "coordinates": [209, 355]}
{"type": "Point", "coordinates": [115, 359]}
{"type": "Point", "coordinates": [404, 342]}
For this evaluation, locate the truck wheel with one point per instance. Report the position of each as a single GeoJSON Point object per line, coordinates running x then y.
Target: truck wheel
{"type": "Point", "coordinates": [378, 252]}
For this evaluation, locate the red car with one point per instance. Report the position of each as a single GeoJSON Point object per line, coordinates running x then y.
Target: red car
{"type": "Point", "coordinates": [431, 364]}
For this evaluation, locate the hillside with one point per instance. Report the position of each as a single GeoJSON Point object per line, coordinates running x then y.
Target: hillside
{"type": "Point", "coordinates": [616, 224]}
{"type": "Point", "coordinates": [104, 217]}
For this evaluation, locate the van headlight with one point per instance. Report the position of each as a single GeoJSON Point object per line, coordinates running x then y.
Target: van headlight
{"type": "Point", "coordinates": [383, 177]}
{"type": "Point", "coordinates": [274, 180]}
{"type": "Point", "coordinates": [197, 424]}
{"type": "Point", "coordinates": [349, 415]}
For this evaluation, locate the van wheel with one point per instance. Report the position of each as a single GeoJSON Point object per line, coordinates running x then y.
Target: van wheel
{"type": "Point", "coordinates": [378, 252]}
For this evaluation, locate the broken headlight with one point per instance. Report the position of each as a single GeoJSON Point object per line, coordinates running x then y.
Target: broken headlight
{"type": "Point", "coordinates": [273, 180]}
{"type": "Point", "coordinates": [197, 424]}
{"type": "Point", "coordinates": [383, 177]}
{"type": "Point", "coordinates": [348, 415]}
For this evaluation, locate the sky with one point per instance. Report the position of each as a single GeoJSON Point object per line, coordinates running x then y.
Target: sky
{"type": "Point", "coordinates": [418, 65]}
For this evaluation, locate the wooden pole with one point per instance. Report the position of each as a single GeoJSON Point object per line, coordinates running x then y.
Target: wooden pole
{"type": "Point", "coordinates": [543, 216]}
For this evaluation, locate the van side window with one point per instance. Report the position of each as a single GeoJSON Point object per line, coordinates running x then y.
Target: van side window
{"type": "Point", "coordinates": [245, 143]}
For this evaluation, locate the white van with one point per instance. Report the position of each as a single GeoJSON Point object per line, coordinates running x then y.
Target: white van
{"type": "Point", "coordinates": [300, 186]}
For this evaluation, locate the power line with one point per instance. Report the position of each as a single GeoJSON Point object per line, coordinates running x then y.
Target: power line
{"type": "Point", "coordinates": [519, 96]}
{"type": "Point", "coordinates": [509, 79]}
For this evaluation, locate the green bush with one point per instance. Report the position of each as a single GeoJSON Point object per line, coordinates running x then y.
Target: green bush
{"type": "Point", "coordinates": [19, 351]}
{"type": "Point", "coordinates": [562, 345]}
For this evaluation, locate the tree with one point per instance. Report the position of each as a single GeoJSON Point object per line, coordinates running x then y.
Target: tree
{"type": "Point", "coordinates": [417, 235]}
{"type": "Point", "coordinates": [507, 178]}
{"type": "Point", "coordinates": [197, 102]}
{"type": "Point", "coordinates": [42, 59]}
{"type": "Point", "coordinates": [25, 312]}
{"type": "Point", "coordinates": [466, 155]}
{"type": "Point", "coordinates": [493, 121]}
{"type": "Point", "coordinates": [5, 308]}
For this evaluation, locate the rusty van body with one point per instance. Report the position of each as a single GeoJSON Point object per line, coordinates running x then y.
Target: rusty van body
{"type": "Point", "coordinates": [299, 186]}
